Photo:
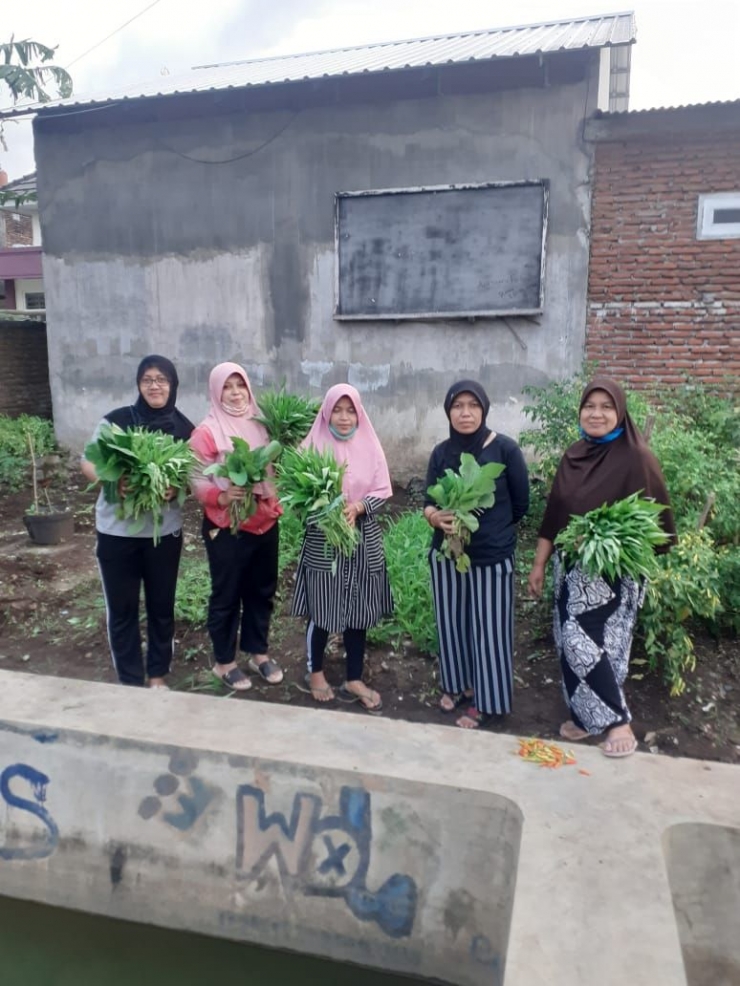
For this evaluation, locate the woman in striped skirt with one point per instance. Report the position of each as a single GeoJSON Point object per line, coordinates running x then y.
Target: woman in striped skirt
{"type": "Point", "coordinates": [475, 609]}
{"type": "Point", "coordinates": [339, 594]}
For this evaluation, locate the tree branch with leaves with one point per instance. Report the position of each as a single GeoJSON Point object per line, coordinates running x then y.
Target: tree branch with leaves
{"type": "Point", "coordinates": [26, 73]}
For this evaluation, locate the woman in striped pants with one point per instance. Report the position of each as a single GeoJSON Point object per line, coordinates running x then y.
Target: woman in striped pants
{"type": "Point", "coordinates": [475, 609]}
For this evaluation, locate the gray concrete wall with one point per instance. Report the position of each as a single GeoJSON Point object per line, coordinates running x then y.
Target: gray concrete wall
{"type": "Point", "coordinates": [147, 249]}
{"type": "Point", "coordinates": [389, 844]}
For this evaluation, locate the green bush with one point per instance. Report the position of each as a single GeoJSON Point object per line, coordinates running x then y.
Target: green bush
{"type": "Point", "coordinates": [728, 568]}
{"type": "Point", "coordinates": [407, 542]}
{"type": "Point", "coordinates": [716, 416]}
{"type": "Point", "coordinates": [287, 417]}
{"type": "Point", "coordinates": [686, 587]}
{"type": "Point", "coordinates": [193, 587]}
{"type": "Point", "coordinates": [695, 464]}
{"type": "Point", "coordinates": [15, 461]}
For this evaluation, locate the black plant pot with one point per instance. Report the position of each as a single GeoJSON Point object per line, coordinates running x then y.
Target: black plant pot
{"type": "Point", "coordinates": [50, 528]}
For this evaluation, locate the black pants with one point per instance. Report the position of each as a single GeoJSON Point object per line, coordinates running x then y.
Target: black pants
{"type": "Point", "coordinates": [244, 575]}
{"type": "Point", "coordinates": [125, 563]}
{"type": "Point", "coordinates": [354, 646]}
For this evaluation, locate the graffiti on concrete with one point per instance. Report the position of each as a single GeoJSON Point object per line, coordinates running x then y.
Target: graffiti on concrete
{"type": "Point", "coordinates": [323, 856]}
{"type": "Point", "coordinates": [189, 802]}
{"type": "Point", "coordinates": [483, 952]}
{"type": "Point", "coordinates": [38, 848]}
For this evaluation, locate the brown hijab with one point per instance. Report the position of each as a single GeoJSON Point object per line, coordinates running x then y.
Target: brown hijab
{"type": "Point", "coordinates": [591, 474]}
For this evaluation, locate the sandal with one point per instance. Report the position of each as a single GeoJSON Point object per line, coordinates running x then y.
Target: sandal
{"type": "Point", "coordinates": [365, 700]}
{"type": "Point", "coordinates": [313, 692]}
{"type": "Point", "coordinates": [570, 731]}
{"type": "Point", "coordinates": [479, 720]}
{"type": "Point", "coordinates": [456, 701]}
{"type": "Point", "coordinates": [619, 746]}
{"type": "Point", "coordinates": [234, 679]}
{"type": "Point", "coordinates": [267, 669]}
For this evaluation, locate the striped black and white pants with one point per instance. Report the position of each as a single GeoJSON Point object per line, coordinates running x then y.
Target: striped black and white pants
{"type": "Point", "coordinates": [475, 622]}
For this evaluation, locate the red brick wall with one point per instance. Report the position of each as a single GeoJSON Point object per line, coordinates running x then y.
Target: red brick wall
{"type": "Point", "coordinates": [24, 370]}
{"type": "Point", "coordinates": [15, 230]}
{"type": "Point", "coordinates": [662, 304]}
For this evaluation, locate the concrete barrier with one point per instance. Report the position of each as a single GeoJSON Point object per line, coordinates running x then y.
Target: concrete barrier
{"type": "Point", "coordinates": [704, 875]}
{"type": "Point", "coordinates": [415, 849]}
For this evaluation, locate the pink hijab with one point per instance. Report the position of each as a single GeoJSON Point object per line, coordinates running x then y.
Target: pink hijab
{"type": "Point", "coordinates": [367, 471]}
{"type": "Point", "coordinates": [223, 425]}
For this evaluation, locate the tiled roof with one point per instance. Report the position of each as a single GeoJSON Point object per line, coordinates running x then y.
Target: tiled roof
{"type": "Point", "coordinates": [21, 186]}
{"type": "Point", "coordinates": [448, 49]}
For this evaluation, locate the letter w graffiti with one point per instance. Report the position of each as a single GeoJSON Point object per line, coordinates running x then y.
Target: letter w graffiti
{"type": "Point", "coordinates": [261, 836]}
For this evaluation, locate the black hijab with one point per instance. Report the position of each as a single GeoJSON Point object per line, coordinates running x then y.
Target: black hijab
{"type": "Point", "coordinates": [167, 419]}
{"type": "Point", "coordinates": [473, 443]}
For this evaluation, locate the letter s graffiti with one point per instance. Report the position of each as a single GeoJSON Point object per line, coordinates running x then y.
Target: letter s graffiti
{"type": "Point", "coordinates": [38, 782]}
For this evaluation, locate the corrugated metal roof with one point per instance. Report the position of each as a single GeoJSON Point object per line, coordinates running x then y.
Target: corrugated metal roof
{"type": "Point", "coordinates": [503, 42]}
{"type": "Point", "coordinates": [687, 107]}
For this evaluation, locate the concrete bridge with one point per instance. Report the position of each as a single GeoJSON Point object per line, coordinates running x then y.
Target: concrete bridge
{"type": "Point", "coordinates": [419, 850]}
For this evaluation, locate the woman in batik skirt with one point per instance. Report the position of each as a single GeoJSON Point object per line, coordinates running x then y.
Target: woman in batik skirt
{"type": "Point", "coordinates": [594, 618]}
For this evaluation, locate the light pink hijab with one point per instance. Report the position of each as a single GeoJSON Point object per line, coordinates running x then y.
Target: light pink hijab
{"type": "Point", "coordinates": [367, 471]}
{"type": "Point", "coordinates": [223, 425]}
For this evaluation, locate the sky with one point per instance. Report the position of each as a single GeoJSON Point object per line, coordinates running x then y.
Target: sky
{"type": "Point", "coordinates": [686, 51]}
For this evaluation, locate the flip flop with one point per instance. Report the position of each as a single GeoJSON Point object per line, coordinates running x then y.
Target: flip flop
{"type": "Point", "coordinates": [606, 747]}
{"type": "Point", "coordinates": [457, 701]}
{"type": "Point", "coordinates": [308, 690]}
{"type": "Point", "coordinates": [573, 733]}
{"type": "Point", "coordinates": [313, 691]}
{"type": "Point", "coordinates": [345, 695]}
{"type": "Point", "coordinates": [232, 678]}
{"type": "Point", "coordinates": [482, 720]}
{"type": "Point", "coordinates": [266, 669]}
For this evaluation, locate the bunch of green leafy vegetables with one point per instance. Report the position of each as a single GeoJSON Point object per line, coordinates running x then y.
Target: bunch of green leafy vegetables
{"type": "Point", "coordinates": [310, 484]}
{"type": "Point", "coordinates": [463, 492]}
{"type": "Point", "coordinates": [245, 466]}
{"type": "Point", "coordinates": [287, 417]}
{"type": "Point", "coordinates": [150, 463]}
{"type": "Point", "coordinates": [615, 540]}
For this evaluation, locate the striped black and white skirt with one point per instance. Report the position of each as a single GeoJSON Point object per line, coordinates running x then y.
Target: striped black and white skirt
{"type": "Point", "coordinates": [475, 621]}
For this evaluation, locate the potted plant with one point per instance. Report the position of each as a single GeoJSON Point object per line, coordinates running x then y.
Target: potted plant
{"type": "Point", "coordinates": [45, 522]}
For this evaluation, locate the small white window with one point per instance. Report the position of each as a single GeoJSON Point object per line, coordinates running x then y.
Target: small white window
{"type": "Point", "coordinates": [35, 301]}
{"type": "Point", "coordinates": [718, 217]}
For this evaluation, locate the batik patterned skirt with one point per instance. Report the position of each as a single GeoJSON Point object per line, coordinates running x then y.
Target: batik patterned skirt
{"type": "Point", "coordinates": [594, 622]}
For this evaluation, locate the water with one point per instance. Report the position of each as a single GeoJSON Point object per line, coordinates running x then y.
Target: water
{"type": "Point", "coordinates": [48, 946]}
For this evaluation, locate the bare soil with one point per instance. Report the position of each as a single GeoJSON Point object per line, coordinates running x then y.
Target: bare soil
{"type": "Point", "coordinates": [52, 622]}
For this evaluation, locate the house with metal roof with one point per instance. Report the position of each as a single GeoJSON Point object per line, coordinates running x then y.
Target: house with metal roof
{"type": "Point", "coordinates": [396, 215]}
{"type": "Point", "coordinates": [21, 279]}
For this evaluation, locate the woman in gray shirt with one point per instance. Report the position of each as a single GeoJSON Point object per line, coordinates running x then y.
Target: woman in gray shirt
{"type": "Point", "coordinates": [126, 561]}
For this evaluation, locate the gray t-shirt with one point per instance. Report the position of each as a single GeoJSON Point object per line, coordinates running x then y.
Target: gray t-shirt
{"type": "Point", "coordinates": [107, 523]}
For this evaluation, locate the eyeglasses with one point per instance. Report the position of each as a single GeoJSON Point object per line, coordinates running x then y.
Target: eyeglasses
{"type": "Point", "coordinates": [154, 382]}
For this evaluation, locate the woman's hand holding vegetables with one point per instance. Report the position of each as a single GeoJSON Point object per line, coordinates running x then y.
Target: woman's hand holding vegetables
{"type": "Point", "coordinates": [352, 511]}
{"type": "Point", "coordinates": [233, 494]}
{"type": "Point", "coordinates": [443, 519]}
